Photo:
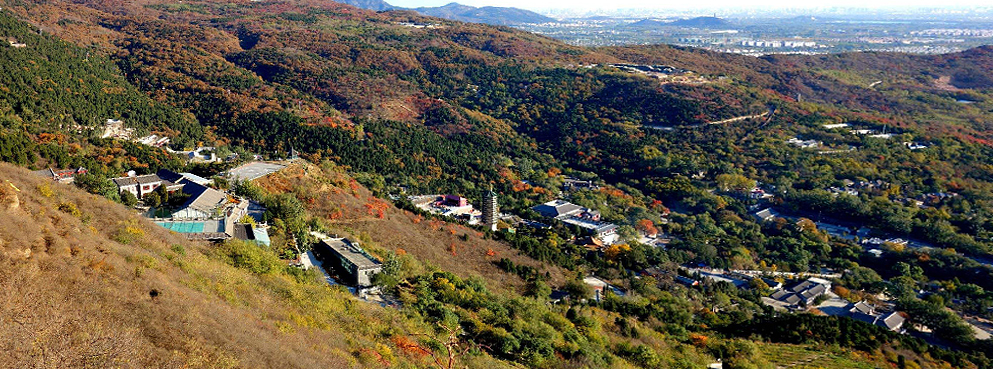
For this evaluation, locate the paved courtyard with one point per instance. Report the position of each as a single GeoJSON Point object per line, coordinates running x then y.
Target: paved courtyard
{"type": "Point", "coordinates": [253, 171]}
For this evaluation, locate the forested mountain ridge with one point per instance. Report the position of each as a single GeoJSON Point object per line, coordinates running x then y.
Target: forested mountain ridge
{"type": "Point", "coordinates": [500, 16]}
{"type": "Point", "coordinates": [55, 98]}
{"type": "Point", "coordinates": [459, 108]}
{"type": "Point", "coordinates": [377, 5]}
{"type": "Point", "coordinates": [848, 80]}
{"type": "Point", "coordinates": [53, 85]}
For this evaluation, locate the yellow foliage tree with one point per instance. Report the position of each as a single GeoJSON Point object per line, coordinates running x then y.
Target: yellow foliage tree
{"type": "Point", "coordinates": [613, 251]}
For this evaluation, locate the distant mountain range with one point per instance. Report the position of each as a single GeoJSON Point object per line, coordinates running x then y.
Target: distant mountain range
{"type": "Point", "coordinates": [698, 22]}
{"type": "Point", "coordinates": [455, 11]}
{"type": "Point", "coordinates": [488, 14]}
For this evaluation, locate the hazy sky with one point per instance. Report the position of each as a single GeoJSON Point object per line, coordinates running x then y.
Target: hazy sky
{"type": "Point", "coordinates": [710, 4]}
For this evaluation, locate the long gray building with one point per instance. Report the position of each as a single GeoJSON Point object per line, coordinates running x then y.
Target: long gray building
{"type": "Point", "coordinates": [349, 260]}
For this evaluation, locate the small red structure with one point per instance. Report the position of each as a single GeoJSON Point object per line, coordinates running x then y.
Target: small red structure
{"type": "Point", "coordinates": [66, 176]}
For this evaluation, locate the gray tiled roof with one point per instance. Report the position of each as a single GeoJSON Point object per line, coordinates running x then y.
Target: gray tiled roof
{"type": "Point", "coordinates": [556, 208]}
{"type": "Point", "coordinates": [203, 198]}
{"type": "Point", "coordinates": [814, 291]}
{"type": "Point", "coordinates": [892, 321]}
{"type": "Point", "coordinates": [805, 291]}
{"type": "Point", "coordinates": [861, 307]}
{"type": "Point", "coordinates": [148, 178]}
{"type": "Point", "coordinates": [778, 295]}
{"type": "Point", "coordinates": [766, 214]}
{"type": "Point", "coordinates": [142, 179]}
{"type": "Point", "coordinates": [792, 299]}
{"type": "Point", "coordinates": [125, 181]}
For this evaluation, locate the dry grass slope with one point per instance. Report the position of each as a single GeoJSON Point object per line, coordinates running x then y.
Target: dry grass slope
{"type": "Point", "coordinates": [85, 283]}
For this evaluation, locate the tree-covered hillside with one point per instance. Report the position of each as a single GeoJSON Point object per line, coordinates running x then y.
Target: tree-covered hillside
{"type": "Point", "coordinates": [891, 147]}
{"type": "Point", "coordinates": [52, 85]}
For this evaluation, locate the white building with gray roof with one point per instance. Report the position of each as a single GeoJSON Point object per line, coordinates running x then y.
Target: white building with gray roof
{"type": "Point", "coordinates": [204, 203]}
{"type": "Point", "coordinates": [803, 293]}
{"type": "Point", "coordinates": [865, 312]}
{"type": "Point", "coordinates": [575, 215]}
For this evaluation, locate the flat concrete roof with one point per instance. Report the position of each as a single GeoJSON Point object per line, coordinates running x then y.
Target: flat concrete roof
{"type": "Point", "coordinates": [254, 170]}
{"type": "Point", "coordinates": [350, 252]}
{"type": "Point", "coordinates": [595, 226]}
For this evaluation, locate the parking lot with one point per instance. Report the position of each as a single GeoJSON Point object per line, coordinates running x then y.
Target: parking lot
{"type": "Point", "coordinates": [254, 170]}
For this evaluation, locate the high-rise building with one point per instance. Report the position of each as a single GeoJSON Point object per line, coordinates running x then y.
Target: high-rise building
{"type": "Point", "coordinates": [490, 210]}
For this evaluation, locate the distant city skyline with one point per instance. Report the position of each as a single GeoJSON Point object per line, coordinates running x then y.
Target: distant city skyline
{"type": "Point", "coordinates": [710, 5]}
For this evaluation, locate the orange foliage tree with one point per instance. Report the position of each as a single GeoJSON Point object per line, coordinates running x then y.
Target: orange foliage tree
{"type": "Point", "coordinates": [647, 227]}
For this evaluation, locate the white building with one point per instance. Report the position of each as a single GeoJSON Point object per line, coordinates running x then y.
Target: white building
{"type": "Point", "coordinates": [204, 203]}
{"type": "Point", "coordinates": [805, 144]}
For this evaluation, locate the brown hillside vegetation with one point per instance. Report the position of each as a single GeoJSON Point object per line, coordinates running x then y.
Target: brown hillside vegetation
{"type": "Point", "coordinates": [167, 43]}
{"type": "Point", "coordinates": [351, 209]}
{"type": "Point", "coordinates": [85, 283]}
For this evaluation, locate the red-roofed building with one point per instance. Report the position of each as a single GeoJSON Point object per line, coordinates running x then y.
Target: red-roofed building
{"type": "Point", "coordinates": [66, 176]}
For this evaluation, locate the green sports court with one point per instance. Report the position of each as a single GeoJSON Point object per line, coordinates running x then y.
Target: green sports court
{"type": "Point", "coordinates": [211, 226]}
{"type": "Point", "coordinates": [183, 227]}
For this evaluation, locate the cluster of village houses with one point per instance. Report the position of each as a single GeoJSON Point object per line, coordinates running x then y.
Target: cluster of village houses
{"type": "Point", "coordinates": [585, 219]}
{"type": "Point", "coordinates": [800, 295]}
{"type": "Point", "coordinates": [213, 215]}
{"type": "Point", "coordinates": [210, 214]}
{"type": "Point", "coordinates": [664, 73]}
{"type": "Point", "coordinates": [852, 188]}
{"type": "Point", "coordinates": [115, 128]}
{"type": "Point", "coordinates": [805, 293]}
{"type": "Point", "coordinates": [813, 144]}
{"type": "Point", "coordinates": [207, 214]}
